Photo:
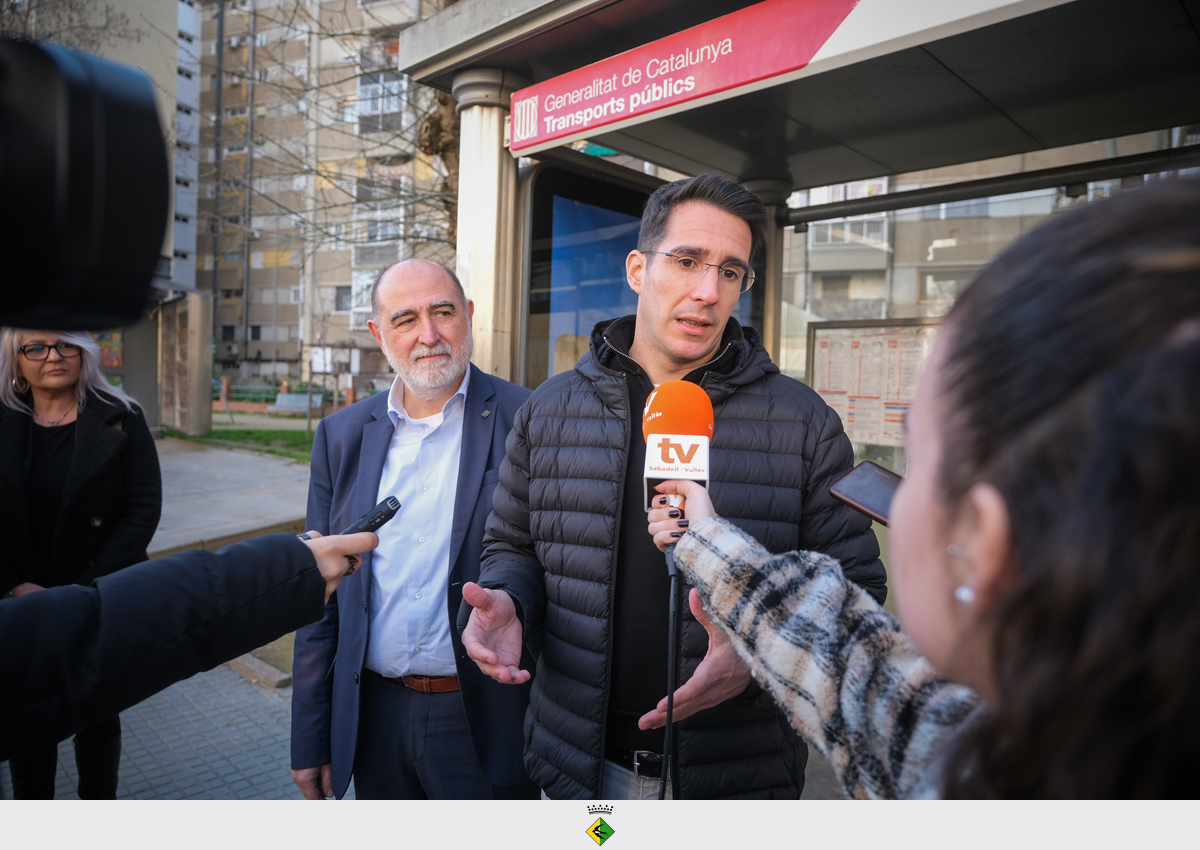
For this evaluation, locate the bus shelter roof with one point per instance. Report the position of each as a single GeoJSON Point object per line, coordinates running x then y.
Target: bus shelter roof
{"type": "Point", "coordinates": [901, 85]}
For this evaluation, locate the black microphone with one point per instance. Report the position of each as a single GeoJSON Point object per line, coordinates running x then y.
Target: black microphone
{"type": "Point", "coordinates": [678, 425]}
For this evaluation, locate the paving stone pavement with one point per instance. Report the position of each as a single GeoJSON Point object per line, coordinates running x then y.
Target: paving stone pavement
{"type": "Point", "coordinates": [214, 736]}
{"type": "Point", "coordinates": [219, 736]}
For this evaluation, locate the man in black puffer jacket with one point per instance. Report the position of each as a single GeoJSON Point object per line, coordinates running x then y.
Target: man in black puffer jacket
{"type": "Point", "coordinates": [568, 559]}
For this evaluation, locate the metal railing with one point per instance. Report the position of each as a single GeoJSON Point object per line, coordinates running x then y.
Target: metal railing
{"type": "Point", "coordinates": [267, 393]}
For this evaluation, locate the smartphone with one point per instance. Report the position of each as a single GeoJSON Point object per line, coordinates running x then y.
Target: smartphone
{"type": "Point", "coordinates": [372, 519]}
{"type": "Point", "coordinates": [868, 488]}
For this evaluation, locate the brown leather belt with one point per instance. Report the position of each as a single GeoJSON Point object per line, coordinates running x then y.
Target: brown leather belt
{"type": "Point", "coordinates": [430, 684]}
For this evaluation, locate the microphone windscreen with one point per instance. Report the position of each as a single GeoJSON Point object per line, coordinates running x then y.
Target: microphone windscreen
{"type": "Point", "coordinates": [678, 407]}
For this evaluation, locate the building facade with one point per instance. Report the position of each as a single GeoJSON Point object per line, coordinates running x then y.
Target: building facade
{"type": "Point", "coordinates": [321, 185]}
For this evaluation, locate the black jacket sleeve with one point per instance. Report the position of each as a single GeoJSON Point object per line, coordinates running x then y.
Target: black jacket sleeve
{"type": "Point", "coordinates": [141, 503]}
{"type": "Point", "coordinates": [509, 561]}
{"type": "Point", "coordinates": [76, 655]}
{"type": "Point", "coordinates": [832, 527]}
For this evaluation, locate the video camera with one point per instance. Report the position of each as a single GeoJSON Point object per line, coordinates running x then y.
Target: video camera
{"type": "Point", "coordinates": [84, 191]}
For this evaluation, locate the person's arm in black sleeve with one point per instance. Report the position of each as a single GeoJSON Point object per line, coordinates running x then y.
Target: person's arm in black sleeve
{"type": "Point", "coordinates": [75, 655]}
{"type": "Point", "coordinates": [831, 527]}
{"type": "Point", "coordinates": [141, 502]}
{"type": "Point", "coordinates": [316, 644]}
{"type": "Point", "coordinates": [509, 562]}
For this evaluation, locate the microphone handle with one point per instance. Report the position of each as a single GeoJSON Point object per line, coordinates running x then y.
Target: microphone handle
{"type": "Point", "coordinates": [672, 570]}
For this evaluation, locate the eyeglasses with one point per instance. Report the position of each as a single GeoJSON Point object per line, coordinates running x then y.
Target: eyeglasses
{"type": "Point", "coordinates": [691, 269]}
{"type": "Point", "coordinates": [40, 351]}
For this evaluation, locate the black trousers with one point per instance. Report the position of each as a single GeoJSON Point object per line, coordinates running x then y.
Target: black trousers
{"type": "Point", "coordinates": [97, 756]}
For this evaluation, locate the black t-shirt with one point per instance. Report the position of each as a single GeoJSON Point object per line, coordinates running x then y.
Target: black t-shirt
{"type": "Point", "coordinates": [643, 588]}
{"type": "Point", "coordinates": [50, 461]}
{"type": "Point", "coordinates": [641, 598]}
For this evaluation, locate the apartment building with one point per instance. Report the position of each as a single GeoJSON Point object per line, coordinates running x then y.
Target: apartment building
{"type": "Point", "coordinates": [320, 184]}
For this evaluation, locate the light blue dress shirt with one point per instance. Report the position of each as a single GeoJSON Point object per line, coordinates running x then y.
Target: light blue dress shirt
{"type": "Point", "coordinates": [410, 570]}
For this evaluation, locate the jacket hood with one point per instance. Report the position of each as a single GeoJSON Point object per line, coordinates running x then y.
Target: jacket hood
{"type": "Point", "coordinates": [741, 359]}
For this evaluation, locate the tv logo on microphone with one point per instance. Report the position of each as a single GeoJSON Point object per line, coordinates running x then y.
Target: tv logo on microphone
{"type": "Point", "coordinates": [682, 454]}
{"type": "Point", "coordinates": [677, 456]}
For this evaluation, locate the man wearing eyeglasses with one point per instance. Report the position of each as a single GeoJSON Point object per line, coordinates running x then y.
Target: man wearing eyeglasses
{"type": "Point", "coordinates": [567, 557]}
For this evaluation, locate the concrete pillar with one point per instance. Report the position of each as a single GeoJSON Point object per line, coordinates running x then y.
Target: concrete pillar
{"type": "Point", "coordinates": [487, 212]}
{"type": "Point", "coordinates": [199, 365]}
{"type": "Point", "coordinates": [774, 195]}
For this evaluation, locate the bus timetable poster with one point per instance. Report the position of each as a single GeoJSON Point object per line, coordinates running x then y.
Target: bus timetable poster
{"type": "Point", "coordinates": [869, 376]}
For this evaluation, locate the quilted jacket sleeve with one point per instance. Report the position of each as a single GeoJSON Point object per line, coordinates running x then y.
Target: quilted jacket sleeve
{"type": "Point", "coordinates": [849, 680]}
{"type": "Point", "coordinates": [509, 560]}
{"type": "Point", "coordinates": [829, 526]}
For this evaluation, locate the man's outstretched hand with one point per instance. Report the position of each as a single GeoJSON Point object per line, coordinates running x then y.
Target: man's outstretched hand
{"type": "Point", "coordinates": [720, 676]}
{"type": "Point", "coordinates": [493, 635]}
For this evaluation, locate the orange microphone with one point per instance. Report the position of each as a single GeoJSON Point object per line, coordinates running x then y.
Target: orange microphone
{"type": "Point", "coordinates": [678, 425]}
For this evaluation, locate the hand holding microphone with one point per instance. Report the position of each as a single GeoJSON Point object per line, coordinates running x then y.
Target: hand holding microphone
{"type": "Point", "coordinates": [667, 522]}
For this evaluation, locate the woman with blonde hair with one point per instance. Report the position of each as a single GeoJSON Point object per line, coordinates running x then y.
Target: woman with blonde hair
{"type": "Point", "coordinates": [81, 492]}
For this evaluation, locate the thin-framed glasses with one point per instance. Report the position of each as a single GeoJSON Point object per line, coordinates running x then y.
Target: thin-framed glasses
{"type": "Point", "coordinates": [40, 351]}
{"type": "Point", "coordinates": [692, 269]}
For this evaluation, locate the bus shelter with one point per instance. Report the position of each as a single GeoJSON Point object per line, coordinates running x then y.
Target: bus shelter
{"type": "Point", "coordinates": [896, 144]}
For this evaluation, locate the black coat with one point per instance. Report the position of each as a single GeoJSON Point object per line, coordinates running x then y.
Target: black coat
{"type": "Point", "coordinates": [553, 539]}
{"type": "Point", "coordinates": [73, 656]}
{"type": "Point", "coordinates": [111, 502]}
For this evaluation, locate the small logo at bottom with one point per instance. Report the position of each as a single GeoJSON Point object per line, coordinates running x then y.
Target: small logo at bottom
{"type": "Point", "coordinates": [600, 831]}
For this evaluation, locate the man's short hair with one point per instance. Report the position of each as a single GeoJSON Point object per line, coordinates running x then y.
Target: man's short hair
{"type": "Point", "coordinates": [462, 293]}
{"type": "Point", "coordinates": [710, 189]}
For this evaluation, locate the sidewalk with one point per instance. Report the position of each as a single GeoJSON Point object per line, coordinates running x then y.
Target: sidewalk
{"type": "Point", "coordinates": [214, 736]}
{"type": "Point", "coordinates": [214, 496]}
{"type": "Point", "coordinates": [217, 736]}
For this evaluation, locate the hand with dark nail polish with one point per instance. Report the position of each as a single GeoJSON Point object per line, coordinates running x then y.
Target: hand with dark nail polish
{"type": "Point", "coordinates": [677, 534]}
{"type": "Point", "coordinates": [674, 513]}
{"type": "Point", "coordinates": [683, 523]}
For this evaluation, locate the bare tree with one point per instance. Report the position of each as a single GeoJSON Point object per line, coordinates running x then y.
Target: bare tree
{"type": "Point", "coordinates": [82, 24]}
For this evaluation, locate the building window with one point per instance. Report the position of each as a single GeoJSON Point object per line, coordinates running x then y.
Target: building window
{"type": "Point", "coordinates": [182, 219]}
{"type": "Point", "coordinates": [294, 294]}
{"type": "Point", "coordinates": [182, 73]}
{"type": "Point", "coordinates": [181, 255]}
{"type": "Point", "coordinates": [236, 112]}
{"type": "Point", "coordinates": [380, 101]}
{"type": "Point", "coordinates": [343, 299]}
{"type": "Point", "coordinates": [227, 333]}
{"type": "Point", "coordinates": [261, 75]}
{"type": "Point", "coordinates": [232, 149]}
{"type": "Point", "coordinates": [256, 332]}
{"type": "Point", "coordinates": [231, 293]}
{"type": "Point", "coordinates": [360, 308]}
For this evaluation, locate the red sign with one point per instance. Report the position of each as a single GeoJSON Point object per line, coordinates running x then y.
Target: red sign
{"type": "Point", "coordinates": [756, 43]}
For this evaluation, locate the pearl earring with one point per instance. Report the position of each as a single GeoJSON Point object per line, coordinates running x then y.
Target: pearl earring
{"type": "Point", "coordinates": [965, 595]}
{"type": "Point", "coordinates": [956, 551]}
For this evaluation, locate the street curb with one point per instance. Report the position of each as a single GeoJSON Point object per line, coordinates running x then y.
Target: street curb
{"type": "Point", "coordinates": [295, 526]}
{"type": "Point", "coordinates": [259, 672]}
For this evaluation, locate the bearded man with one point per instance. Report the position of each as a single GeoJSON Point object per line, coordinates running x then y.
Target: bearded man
{"type": "Point", "coordinates": [383, 689]}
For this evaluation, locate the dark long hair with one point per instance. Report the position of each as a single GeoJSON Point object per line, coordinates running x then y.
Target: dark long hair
{"type": "Point", "coordinates": [1073, 385]}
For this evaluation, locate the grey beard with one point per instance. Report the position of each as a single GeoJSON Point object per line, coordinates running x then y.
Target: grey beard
{"type": "Point", "coordinates": [433, 377]}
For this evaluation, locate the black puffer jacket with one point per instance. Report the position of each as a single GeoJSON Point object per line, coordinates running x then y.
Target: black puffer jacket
{"type": "Point", "coordinates": [553, 534]}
